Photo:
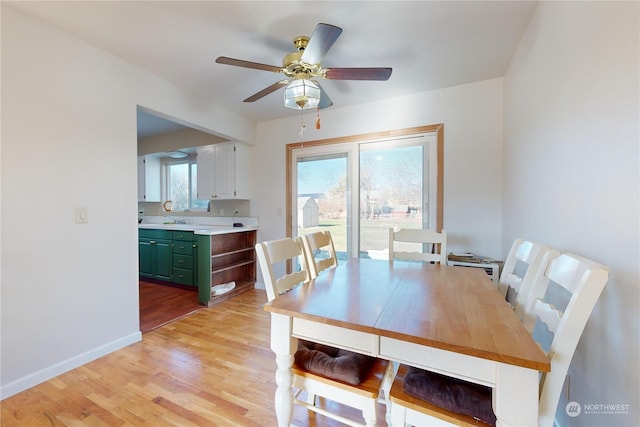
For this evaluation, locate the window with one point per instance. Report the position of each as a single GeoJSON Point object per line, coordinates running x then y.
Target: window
{"type": "Point", "coordinates": [181, 185]}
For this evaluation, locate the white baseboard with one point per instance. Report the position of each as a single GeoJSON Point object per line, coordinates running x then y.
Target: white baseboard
{"type": "Point", "coordinates": [45, 374]}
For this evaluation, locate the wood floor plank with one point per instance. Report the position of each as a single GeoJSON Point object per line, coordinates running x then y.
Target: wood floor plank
{"type": "Point", "coordinates": [213, 367]}
{"type": "Point", "coordinates": [163, 303]}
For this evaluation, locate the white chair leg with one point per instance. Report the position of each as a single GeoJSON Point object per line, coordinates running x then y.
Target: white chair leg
{"type": "Point", "coordinates": [387, 382]}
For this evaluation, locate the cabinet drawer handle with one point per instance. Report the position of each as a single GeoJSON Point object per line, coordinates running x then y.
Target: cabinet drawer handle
{"type": "Point", "coordinates": [181, 261]}
{"type": "Point", "coordinates": [153, 242]}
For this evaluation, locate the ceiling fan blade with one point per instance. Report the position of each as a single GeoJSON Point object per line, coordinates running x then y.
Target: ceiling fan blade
{"type": "Point", "coordinates": [266, 91]}
{"type": "Point", "coordinates": [323, 37]}
{"type": "Point", "coordinates": [380, 73]}
{"type": "Point", "coordinates": [325, 101]}
{"type": "Point", "coordinates": [247, 64]}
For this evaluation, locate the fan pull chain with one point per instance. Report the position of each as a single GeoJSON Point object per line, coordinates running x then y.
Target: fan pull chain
{"type": "Point", "coordinates": [318, 118]}
{"type": "Point", "coordinates": [302, 127]}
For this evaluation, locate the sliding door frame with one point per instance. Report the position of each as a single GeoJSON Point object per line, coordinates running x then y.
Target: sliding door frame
{"type": "Point", "coordinates": [438, 129]}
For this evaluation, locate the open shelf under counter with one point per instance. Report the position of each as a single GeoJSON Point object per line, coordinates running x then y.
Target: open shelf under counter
{"type": "Point", "coordinates": [230, 257]}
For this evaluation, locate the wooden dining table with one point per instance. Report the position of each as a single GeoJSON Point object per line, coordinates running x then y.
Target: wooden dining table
{"type": "Point", "coordinates": [446, 319]}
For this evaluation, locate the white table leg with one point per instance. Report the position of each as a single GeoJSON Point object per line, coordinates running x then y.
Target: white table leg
{"type": "Point", "coordinates": [515, 398]}
{"type": "Point", "coordinates": [282, 346]}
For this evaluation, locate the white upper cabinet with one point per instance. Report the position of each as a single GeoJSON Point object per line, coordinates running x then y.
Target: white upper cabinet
{"type": "Point", "coordinates": [225, 172]}
{"type": "Point", "coordinates": [222, 172]}
{"type": "Point", "coordinates": [149, 179]}
{"type": "Point", "coordinates": [206, 180]}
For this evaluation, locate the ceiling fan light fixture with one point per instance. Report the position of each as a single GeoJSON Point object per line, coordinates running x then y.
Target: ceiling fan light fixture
{"type": "Point", "coordinates": [302, 94]}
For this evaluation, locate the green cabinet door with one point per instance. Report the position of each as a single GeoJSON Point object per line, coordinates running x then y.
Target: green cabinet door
{"type": "Point", "coordinates": [155, 256]}
{"type": "Point", "coordinates": [145, 258]}
{"type": "Point", "coordinates": [163, 259]}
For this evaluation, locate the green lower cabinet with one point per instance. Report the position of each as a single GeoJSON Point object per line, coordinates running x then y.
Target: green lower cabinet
{"type": "Point", "coordinates": [167, 255]}
{"type": "Point", "coordinates": [185, 265]}
{"type": "Point", "coordinates": [182, 261]}
{"type": "Point", "coordinates": [183, 269]}
{"type": "Point", "coordinates": [163, 260]}
{"type": "Point", "coordinates": [182, 276]}
{"type": "Point", "coordinates": [145, 258]}
{"type": "Point", "coordinates": [154, 258]}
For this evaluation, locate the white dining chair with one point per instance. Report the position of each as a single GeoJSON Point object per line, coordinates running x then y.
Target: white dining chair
{"type": "Point", "coordinates": [584, 280]}
{"type": "Point", "coordinates": [320, 252]}
{"type": "Point", "coordinates": [415, 244]}
{"type": "Point", "coordinates": [338, 375]}
{"type": "Point", "coordinates": [524, 259]}
{"type": "Point", "coordinates": [278, 252]}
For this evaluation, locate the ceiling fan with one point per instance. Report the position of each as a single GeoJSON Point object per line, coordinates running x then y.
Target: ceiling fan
{"type": "Point", "coordinates": [303, 66]}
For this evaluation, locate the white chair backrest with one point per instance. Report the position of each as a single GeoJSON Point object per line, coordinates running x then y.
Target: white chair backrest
{"type": "Point", "coordinates": [320, 252]}
{"type": "Point", "coordinates": [584, 280]}
{"type": "Point", "coordinates": [279, 251]}
{"type": "Point", "coordinates": [437, 241]}
{"type": "Point", "coordinates": [524, 259]}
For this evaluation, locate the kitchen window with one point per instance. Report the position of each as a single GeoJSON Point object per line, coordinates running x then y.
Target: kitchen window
{"type": "Point", "coordinates": [180, 184]}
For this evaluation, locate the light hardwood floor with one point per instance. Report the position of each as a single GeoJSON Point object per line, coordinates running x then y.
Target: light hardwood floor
{"type": "Point", "coordinates": [211, 368]}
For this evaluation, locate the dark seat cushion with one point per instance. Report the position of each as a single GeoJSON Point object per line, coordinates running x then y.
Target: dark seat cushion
{"type": "Point", "coordinates": [452, 394]}
{"type": "Point", "coordinates": [334, 363]}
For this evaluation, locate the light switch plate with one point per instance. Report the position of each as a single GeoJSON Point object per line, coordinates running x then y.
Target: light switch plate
{"type": "Point", "coordinates": [82, 215]}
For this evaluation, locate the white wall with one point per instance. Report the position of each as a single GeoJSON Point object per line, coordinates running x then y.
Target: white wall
{"type": "Point", "coordinates": [571, 178]}
{"type": "Point", "coordinates": [472, 117]}
{"type": "Point", "coordinates": [69, 292]}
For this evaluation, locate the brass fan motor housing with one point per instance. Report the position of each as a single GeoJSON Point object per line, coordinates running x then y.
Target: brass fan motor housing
{"type": "Point", "coordinates": [301, 42]}
{"type": "Point", "coordinates": [292, 58]}
{"type": "Point", "coordinates": [293, 67]}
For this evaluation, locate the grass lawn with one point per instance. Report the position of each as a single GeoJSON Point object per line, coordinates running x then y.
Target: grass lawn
{"type": "Point", "coordinates": [374, 232]}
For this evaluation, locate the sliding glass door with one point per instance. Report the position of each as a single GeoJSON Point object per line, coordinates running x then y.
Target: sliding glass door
{"type": "Point", "coordinates": [322, 202]}
{"type": "Point", "coordinates": [391, 193]}
{"type": "Point", "coordinates": [358, 190]}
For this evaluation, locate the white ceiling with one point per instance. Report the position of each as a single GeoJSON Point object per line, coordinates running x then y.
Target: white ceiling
{"type": "Point", "coordinates": [429, 44]}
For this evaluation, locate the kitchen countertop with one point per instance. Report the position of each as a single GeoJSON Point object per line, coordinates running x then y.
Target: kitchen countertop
{"type": "Point", "coordinates": [202, 229]}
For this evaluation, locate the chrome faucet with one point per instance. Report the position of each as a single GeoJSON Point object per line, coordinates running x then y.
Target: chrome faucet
{"type": "Point", "coordinates": [175, 221]}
